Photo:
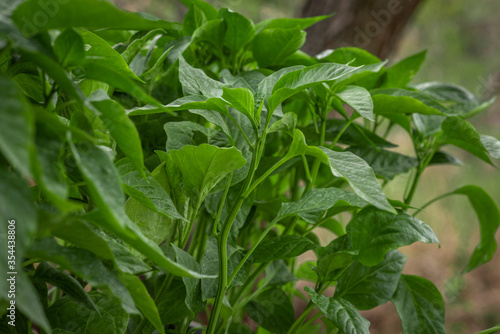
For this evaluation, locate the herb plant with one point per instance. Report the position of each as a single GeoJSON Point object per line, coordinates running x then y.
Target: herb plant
{"type": "Point", "coordinates": [165, 177]}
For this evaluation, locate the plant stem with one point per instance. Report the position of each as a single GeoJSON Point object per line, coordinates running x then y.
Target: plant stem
{"type": "Point", "coordinates": [430, 202]}
{"type": "Point", "coordinates": [221, 206]}
{"type": "Point", "coordinates": [296, 325]}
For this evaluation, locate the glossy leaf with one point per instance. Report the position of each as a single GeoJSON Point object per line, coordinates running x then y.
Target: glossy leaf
{"type": "Point", "coordinates": [359, 99]}
{"type": "Point", "coordinates": [367, 287]}
{"type": "Point", "coordinates": [272, 310]}
{"type": "Point", "coordinates": [240, 30]}
{"type": "Point", "coordinates": [393, 100]}
{"type": "Point", "coordinates": [203, 166]}
{"type": "Point", "coordinates": [195, 82]}
{"type": "Point", "coordinates": [272, 46]}
{"type": "Point", "coordinates": [400, 74]}
{"type": "Point", "coordinates": [373, 233]}
{"type": "Point", "coordinates": [492, 145]}
{"type": "Point", "coordinates": [282, 247]}
{"type": "Point", "coordinates": [420, 306]}
{"type": "Point", "coordinates": [341, 313]}
{"type": "Point", "coordinates": [242, 100]}
{"type": "Point", "coordinates": [289, 23]}
{"type": "Point", "coordinates": [352, 55]}
{"type": "Point", "coordinates": [69, 49]}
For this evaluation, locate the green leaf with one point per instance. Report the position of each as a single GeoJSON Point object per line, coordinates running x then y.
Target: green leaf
{"type": "Point", "coordinates": [332, 264]}
{"type": "Point", "coordinates": [296, 81]}
{"type": "Point", "coordinates": [65, 282]}
{"type": "Point", "coordinates": [367, 287]}
{"type": "Point", "coordinates": [272, 310]}
{"type": "Point", "coordinates": [203, 166]}
{"type": "Point", "coordinates": [489, 220]}
{"type": "Point", "coordinates": [492, 145]}
{"type": "Point", "coordinates": [359, 99]}
{"type": "Point", "coordinates": [460, 133]}
{"type": "Point", "coordinates": [211, 32]}
{"type": "Point", "coordinates": [68, 48]}
{"type": "Point", "coordinates": [272, 46]}
{"type": "Point", "coordinates": [386, 164]}
{"type": "Point", "coordinates": [240, 30]}
{"type": "Point", "coordinates": [242, 100]}
{"type": "Point", "coordinates": [341, 313]}
{"type": "Point", "coordinates": [392, 100]}
{"type": "Point", "coordinates": [443, 91]}
{"type": "Point", "coordinates": [420, 306]}
{"type": "Point", "coordinates": [373, 233]}
{"type": "Point", "coordinates": [277, 274]}
{"type": "Point", "coordinates": [172, 306]}
{"type": "Point", "coordinates": [352, 55]}
{"type": "Point", "coordinates": [16, 127]}
{"type": "Point", "coordinates": [138, 43]}
{"type": "Point", "coordinates": [122, 129]}
{"type": "Point", "coordinates": [86, 265]}
{"type": "Point", "coordinates": [66, 315]}
{"type": "Point", "coordinates": [180, 134]}
{"type": "Point", "coordinates": [99, 52]}
{"type": "Point", "coordinates": [193, 285]}
{"type": "Point", "coordinates": [147, 191]}
{"type": "Point", "coordinates": [306, 271]}
{"type": "Point", "coordinates": [104, 185]}
{"type": "Point", "coordinates": [142, 300]}
{"type": "Point", "coordinates": [399, 75]}
{"type": "Point", "coordinates": [195, 82]}
{"type": "Point", "coordinates": [313, 205]}
{"type": "Point", "coordinates": [282, 247]}
{"type": "Point", "coordinates": [289, 23]}
{"type": "Point", "coordinates": [92, 14]}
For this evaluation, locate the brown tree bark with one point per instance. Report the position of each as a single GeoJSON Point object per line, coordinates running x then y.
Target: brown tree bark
{"type": "Point", "coordinates": [374, 25]}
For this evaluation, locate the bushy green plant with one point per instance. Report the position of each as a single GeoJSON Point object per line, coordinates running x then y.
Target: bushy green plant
{"type": "Point", "coordinates": [162, 177]}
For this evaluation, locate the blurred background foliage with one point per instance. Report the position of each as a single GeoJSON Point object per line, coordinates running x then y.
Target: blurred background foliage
{"type": "Point", "coordinates": [462, 39]}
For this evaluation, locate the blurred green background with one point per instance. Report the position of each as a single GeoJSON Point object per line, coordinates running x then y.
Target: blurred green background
{"type": "Point", "coordinates": [463, 42]}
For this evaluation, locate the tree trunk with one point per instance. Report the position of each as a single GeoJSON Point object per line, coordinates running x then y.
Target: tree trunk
{"type": "Point", "coordinates": [374, 25]}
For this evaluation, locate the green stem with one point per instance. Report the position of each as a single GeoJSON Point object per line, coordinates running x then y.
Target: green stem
{"type": "Point", "coordinates": [265, 175]}
{"type": "Point", "coordinates": [221, 206]}
{"type": "Point", "coordinates": [430, 202]}
{"type": "Point", "coordinates": [296, 325]}
{"type": "Point", "coordinates": [249, 282]}
{"type": "Point", "coordinates": [490, 330]}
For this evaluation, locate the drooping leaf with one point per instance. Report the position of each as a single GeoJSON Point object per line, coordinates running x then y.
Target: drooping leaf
{"type": "Point", "coordinates": [16, 127]}
{"type": "Point", "coordinates": [272, 46]}
{"type": "Point", "coordinates": [69, 49]}
{"type": "Point", "coordinates": [341, 313]}
{"type": "Point", "coordinates": [65, 315]}
{"type": "Point", "coordinates": [203, 166]}
{"type": "Point", "coordinates": [92, 14]}
{"type": "Point", "coordinates": [272, 310]}
{"type": "Point", "coordinates": [142, 299]}
{"type": "Point", "coordinates": [420, 306]}
{"type": "Point", "coordinates": [393, 100]}
{"type": "Point", "coordinates": [399, 75]}
{"type": "Point", "coordinates": [386, 164]}
{"type": "Point", "coordinates": [373, 233]}
{"type": "Point", "coordinates": [282, 247]}
{"type": "Point", "coordinates": [359, 99]}
{"type": "Point", "coordinates": [367, 287]}
{"type": "Point", "coordinates": [242, 100]}
{"type": "Point", "coordinates": [460, 133]}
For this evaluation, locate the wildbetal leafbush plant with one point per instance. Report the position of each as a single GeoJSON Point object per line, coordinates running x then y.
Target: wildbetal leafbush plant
{"type": "Point", "coordinates": [159, 177]}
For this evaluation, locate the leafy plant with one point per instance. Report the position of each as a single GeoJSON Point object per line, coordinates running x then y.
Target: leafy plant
{"type": "Point", "coordinates": [166, 176]}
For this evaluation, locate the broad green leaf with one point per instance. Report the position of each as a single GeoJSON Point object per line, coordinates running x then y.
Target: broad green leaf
{"type": "Point", "coordinates": [469, 109]}
{"type": "Point", "coordinates": [242, 100]}
{"type": "Point", "coordinates": [138, 43]}
{"type": "Point", "coordinates": [296, 81]}
{"type": "Point", "coordinates": [444, 158]}
{"type": "Point", "coordinates": [366, 76]}
{"type": "Point", "coordinates": [66, 315]}
{"type": "Point", "coordinates": [122, 129]}
{"type": "Point", "coordinates": [447, 92]}
{"type": "Point", "coordinates": [313, 205]}
{"type": "Point", "coordinates": [65, 282]}
{"type": "Point", "coordinates": [180, 134]}
{"type": "Point", "coordinates": [282, 247]}
{"type": "Point", "coordinates": [367, 287]}
{"type": "Point", "coordinates": [359, 99]}
{"type": "Point", "coordinates": [99, 52]}
{"type": "Point", "coordinates": [492, 145]}
{"type": "Point", "coordinates": [392, 100]}
{"type": "Point", "coordinates": [17, 209]}
{"type": "Point", "coordinates": [399, 75]}
{"type": "Point", "coordinates": [427, 125]}
{"type": "Point", "coordinates": [373, 233]}
{"type": "Point", "coordinates": [125, 261]}
{"type": "Point", "coordinates": [193, 285]}
{"type": "Point", "coordinates": [68, 48]}
{"type": "Point", "coordinates": [286, 124]}
{"type": "Point", "coordinates": [249, 79]}
{"type": "Point", "coordinates": [147, 191]}
{"type": "Point", "coordinates": [272, 46]}
{"type": "Point", "coordinates": [203, 166]}
{"type": "Point", "coordinates": [272, 310]}
{"type": "Point", "coordinates": [171, 304]}
{"type": "Point", "coordinates": [277, 274]}
{"type": "Point", "coordinates": [489, 220]}
{"type": "Point", "coordinates": [212, 33]}
{"type": "Point", "coordinates": [352, 55]}
{"type": "Point", "coordinates": [142, 299]}
{"type": "Point", "coordinates": [86, 265]}
{"type": "Point", "coordinates": [460, 133]}
{"type": "Point", "coordinates": [16, 127]}
{"type": "Point", "coordinates": [306, 271]}
{"type": "Point", "coordinates": [331, 265]}
{"type": "Point", "coordinates": [420, 306]}
{"type": "Point", "coordinates": [199, 13]}
{"type": "Point", "coordinates": [341, 313]}
{"type": "Point", "coordinates": [240, 30]}
{"type": "Point", "coordinates": [384, 163]}
{"type": "Point", "coordinates": [195, 82]}
{"type": "Point", "coordinates": [104, 185]}
{"type": "Point", "coordinates": [289, 23]}
{"type": "Point", "coordinates": [92, 14]}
